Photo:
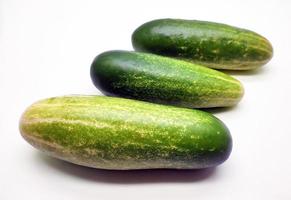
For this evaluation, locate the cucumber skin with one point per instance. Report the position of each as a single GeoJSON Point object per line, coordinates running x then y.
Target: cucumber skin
{"type": "Point", "coordinates": [214, 45]}
{"type": "Point", "coordinates": [121, 134]}
{"type": "Point", "coordinates": [158, 79]}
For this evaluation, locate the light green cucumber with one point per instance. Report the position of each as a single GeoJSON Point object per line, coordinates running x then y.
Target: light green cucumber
{"type": "Point", "coordinates": [115, 133]}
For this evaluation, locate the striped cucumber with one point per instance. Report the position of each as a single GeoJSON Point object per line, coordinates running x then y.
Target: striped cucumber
{"type": "Point", "coordinates": [115, 133]}
{"type": "Point", "coordinates": [163, 80]}
{"type": "Point", "coordinates": [211, 44]}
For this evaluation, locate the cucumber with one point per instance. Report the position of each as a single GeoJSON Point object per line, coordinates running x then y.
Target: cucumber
{"type": "Point", "coordinates": [215, 45]}
{"type": "Point", "coordinates": [115, 133]}
{"type": "Point", "coordinates": [158, 79]}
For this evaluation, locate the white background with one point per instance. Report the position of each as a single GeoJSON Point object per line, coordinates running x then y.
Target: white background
{"type": "Point", "coordinates": [46, 48]}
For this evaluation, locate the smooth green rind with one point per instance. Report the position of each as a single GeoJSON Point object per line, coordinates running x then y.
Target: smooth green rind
{"type": "Point", "coordinates": [159, 79]}
{"type": "Point", "coordinates": [211, 44]}
{"type": "Point", "coordinates": [115, 133]}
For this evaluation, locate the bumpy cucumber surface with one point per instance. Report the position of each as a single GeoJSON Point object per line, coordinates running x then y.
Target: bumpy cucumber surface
{"type": "Point", "coordinates": [211, 44]}
{"type": "Point", "coordinates": [163, 80]}
{"type": "Point", "coordinates": [115, 133]}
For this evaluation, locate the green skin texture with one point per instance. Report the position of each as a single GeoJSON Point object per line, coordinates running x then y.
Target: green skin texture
{"type": "Point", "coordinates": [215, 45]}
{"type": "Point", "coordinates": [159, 79]}
{"type": "Point", "coordinates": [121, 134]}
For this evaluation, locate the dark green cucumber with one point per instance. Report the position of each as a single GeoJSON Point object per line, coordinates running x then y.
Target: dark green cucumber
{"type": "Point", "coordinates": [211, 44]}
{"type": "Point", "coordinates": [163, 80]}
{"type": "Point", "coordinates": [115, 133]}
